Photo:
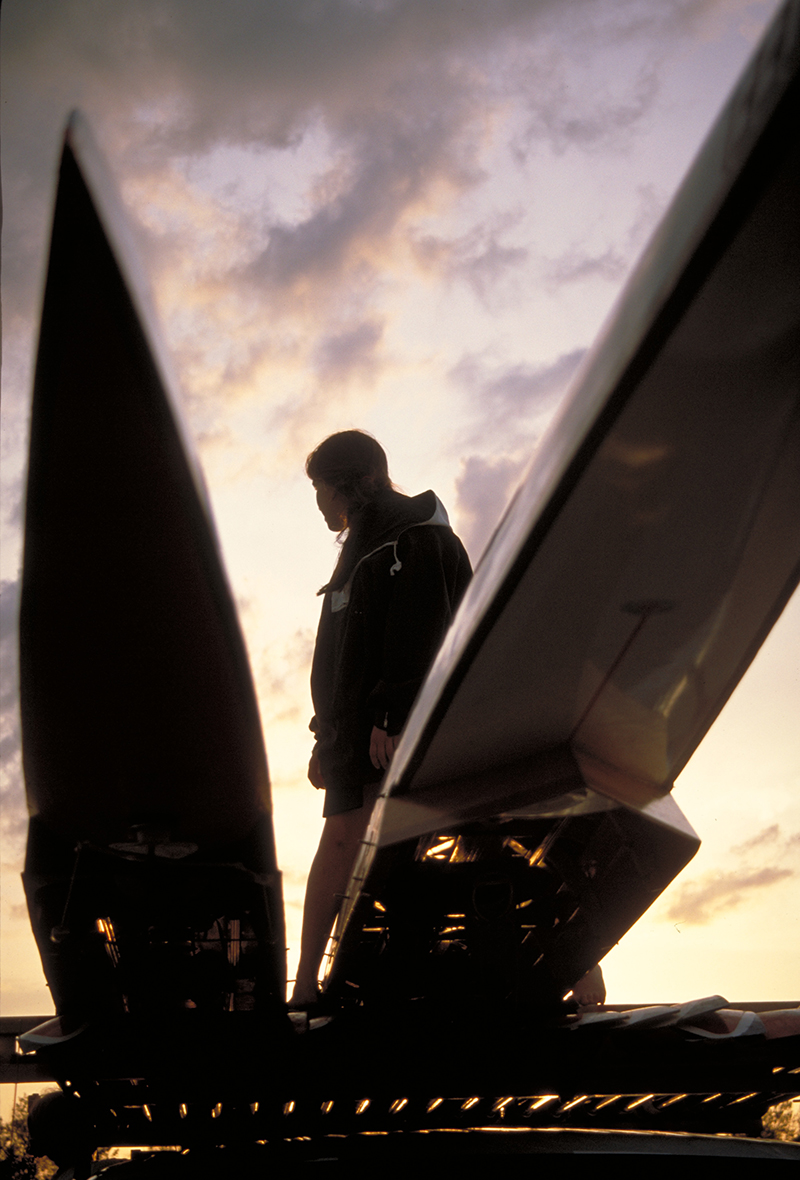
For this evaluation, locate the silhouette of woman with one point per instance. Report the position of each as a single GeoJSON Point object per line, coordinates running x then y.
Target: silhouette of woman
{"type": "Point", "coordinates": [400, 574]}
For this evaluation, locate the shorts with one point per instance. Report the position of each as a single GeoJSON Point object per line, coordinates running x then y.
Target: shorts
{"type": "Point", "coordinates": [341, 799]}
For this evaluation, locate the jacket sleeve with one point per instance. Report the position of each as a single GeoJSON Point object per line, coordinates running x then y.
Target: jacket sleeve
{"type": "Point", "coordinates": [432, 575]}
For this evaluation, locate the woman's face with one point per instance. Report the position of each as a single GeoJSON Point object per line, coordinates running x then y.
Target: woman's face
{"type": "Point", "coordinates": [332, 505]}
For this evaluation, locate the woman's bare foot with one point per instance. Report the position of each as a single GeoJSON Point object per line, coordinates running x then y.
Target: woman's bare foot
{"type": "Point", "coordinates": [304, 997]}
{"type": "Point", "coordinates": [591, 989]}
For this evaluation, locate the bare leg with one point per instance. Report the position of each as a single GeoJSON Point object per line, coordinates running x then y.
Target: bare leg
{"type": "Point", "coordinates": [327, 881]}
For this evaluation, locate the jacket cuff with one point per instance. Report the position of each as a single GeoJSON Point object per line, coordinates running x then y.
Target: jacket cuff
{"type": "Point", "coordinates": [390, 704]}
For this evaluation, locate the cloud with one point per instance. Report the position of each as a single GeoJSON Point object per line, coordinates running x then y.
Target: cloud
{"type": "Point", "coordinates": [483, 490]}
{"type": "Point", "coordinates": [292, 165]}
{"type": "Point", "coordinates": [512, 406]}
{"type": "Point", "coordinates": [580, 263]}
{"type": "Point", "coordinates": [9, 607]}
{"type": "Point", "coordinates": [558, 114]}
{"type": "Point", "coordinates": [389, 159]}
{"type": "Point", "coordinates": [13, 810]}
{"type": "Point", "coordinates": [702, 900]}
{"type": "Point", "coordinates": [282, 678]}
{"type": "Point", "coordinates": [577, 265]}
{"type": "Point", "coordinates": [407, 92]}
{"type": "Point", "coordinates": [478, 257]}
{"type": "Point", "coordinates": [348, 352]}
{"type": "Point", "coordinates": [176, 77]}
{"type": "Point", "coordinates": [768, 836]}
{"type": "Point", "coordinates": [513, 397]}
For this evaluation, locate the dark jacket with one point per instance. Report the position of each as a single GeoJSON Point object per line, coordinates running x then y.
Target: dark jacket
{"type": "Point", "coordinates": [380, 629]}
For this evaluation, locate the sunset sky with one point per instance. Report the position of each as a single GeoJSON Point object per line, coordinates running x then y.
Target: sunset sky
{"type": "Point", "coordinates": [410, 216]}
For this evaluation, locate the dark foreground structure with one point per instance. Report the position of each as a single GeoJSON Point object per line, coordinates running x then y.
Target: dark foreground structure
{"type": "Point", "coordinates": [526, 821]}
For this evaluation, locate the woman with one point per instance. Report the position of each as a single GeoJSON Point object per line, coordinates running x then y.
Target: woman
{"type": "Point", "coordinates": [398, 580]}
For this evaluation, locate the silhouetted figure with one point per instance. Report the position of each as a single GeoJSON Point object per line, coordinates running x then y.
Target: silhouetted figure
{"type": "Point", "coordinates": [398, 580]}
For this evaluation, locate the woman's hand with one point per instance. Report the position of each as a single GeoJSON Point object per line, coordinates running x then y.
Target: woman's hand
{"type": "Point", "coordinates": [381, 747]}
{"type": "Point", "coordinates": [315, 772]}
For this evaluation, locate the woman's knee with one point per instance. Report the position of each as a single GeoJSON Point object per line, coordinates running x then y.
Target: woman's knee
{"type": "Point", "coordinates": [345, 830]}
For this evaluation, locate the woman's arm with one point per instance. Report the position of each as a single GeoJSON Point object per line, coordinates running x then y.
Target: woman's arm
{"type": "Point", "coordinates": [425, 590]}
{"type": "Point", "coordinates": [315, 771]}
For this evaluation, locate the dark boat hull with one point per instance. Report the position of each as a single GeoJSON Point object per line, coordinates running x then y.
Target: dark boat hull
{"type": "Point", "coordinates": [143, 753]}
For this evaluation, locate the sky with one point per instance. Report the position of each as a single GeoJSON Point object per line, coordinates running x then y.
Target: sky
{"type": "Point", "coordinates": [409, 216]}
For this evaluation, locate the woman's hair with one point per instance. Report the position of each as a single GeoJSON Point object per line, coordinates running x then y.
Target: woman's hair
{"type": "Point", "coordinates": [354, 464]}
